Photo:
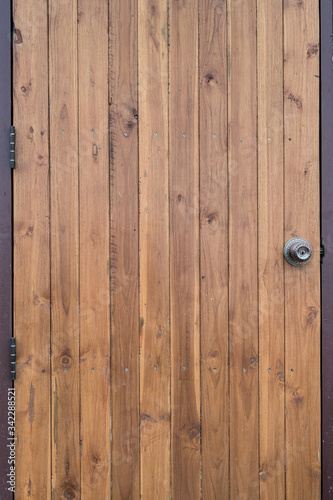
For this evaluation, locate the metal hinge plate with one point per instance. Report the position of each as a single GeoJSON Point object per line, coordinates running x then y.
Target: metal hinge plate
{"type": "Point", "coordinates": [12, 147]}
{"type": "Point", "coordinates": [13, 358]}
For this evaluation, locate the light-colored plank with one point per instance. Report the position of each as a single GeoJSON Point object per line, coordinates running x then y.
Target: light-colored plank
{"type": "Point", "coordinates": [32, 250]}
{"type": "Point", "coordinates": [270, 255]}
{"type": "Point", "coordinates": [94, 249]}
{"type": "Point", "coordinates": [243, 288]}
{"type": "Point", "coordinates": [302, 218]}
{"type": "Point", "coordinates": [154, 251]}
{"type": "Point", "coordinates": [124, 250]}
{"type": "Point", "coordinates": [184, 250]}
{"type": "Point", "coordinates": [214, 248]}
{"type": "Point", "coordinates": [64, 249]}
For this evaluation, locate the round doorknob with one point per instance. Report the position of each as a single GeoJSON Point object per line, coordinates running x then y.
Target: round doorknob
{"type": "Point", "coordinates": [297, 251]}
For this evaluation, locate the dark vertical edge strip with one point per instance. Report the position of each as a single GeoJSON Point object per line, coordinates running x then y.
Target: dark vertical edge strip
{"type": "Point", "coordinates": [284, 277]}
{"type": "Point", "coordinates": [199, 244]}
{"type": "Point", "coordinates": [138, 257]}
{"type": "Point", "coordinates": [5, 237]}
{"type": "Point", "coordinates": [110, 240]}
{"type": "Point", "coordinates": [327, 238]}
{"type": "Point", "coordinates": [79, 241]}
{"type": "Point", "coordinates": [50, 227]}
{"type": "Point", "coordinates": [258, 238]}
{"type": "Point", "coordinates": [228, 181]}
{"type": "Point", "coordinates": [169, 240]}
{"type": "Point", "coordinates": [110, 253]}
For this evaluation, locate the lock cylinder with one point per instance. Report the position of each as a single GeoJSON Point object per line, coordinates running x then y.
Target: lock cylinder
{"type": "Point", "coordinates": [297, 251]}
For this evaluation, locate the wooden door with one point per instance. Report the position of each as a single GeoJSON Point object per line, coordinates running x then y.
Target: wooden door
{"type": "Point", "coordinates": [166, 151]}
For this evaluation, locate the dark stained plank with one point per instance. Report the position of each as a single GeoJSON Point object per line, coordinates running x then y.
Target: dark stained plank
{"type": "Point", "coordinates": [214, 248]}
{"type": "Point", "coordinates": [243, 273]}
{"type": "Point", "coordinates": [270, 255]}
{"type": "Point", "coordinates": [64, 248]}
{"type": "Point", "coordinates": [32, 250]}
{"type": "Point", "coordinates": [94, 249]}
{"type": "Point", "coordinates": [327, 234]}
{"type": "Point", "coordinates": [124, 250]}
{"type": "Point", "coordinates": [184, 250]}
{"type": "Point", "coordinates": [154, 251]}
{"type": "Point", "coordinates": [302, 218]}
{"type": "Point", "coordinates": [6, 239]}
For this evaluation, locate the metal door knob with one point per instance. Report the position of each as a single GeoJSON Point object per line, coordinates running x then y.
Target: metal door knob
{"type": "Point", "coordinates": [297, 251]}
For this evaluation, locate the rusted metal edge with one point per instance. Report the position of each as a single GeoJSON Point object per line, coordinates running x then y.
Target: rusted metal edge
{"type": "Point", "coordinates": [326, 34]}
{"type": "Point", "coordinates": [5, 239]}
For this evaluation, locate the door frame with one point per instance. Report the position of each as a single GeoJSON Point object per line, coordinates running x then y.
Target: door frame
{"type": "Point", "coordinates": [326, 33]}
{"type": "Point", "coordinates": [6, 246]}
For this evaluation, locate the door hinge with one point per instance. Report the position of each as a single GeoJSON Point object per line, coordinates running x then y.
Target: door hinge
{"type": "Point", "coordinates": [12, 147]}
{"type": "Point", "coordinates": [13, 358]}
{"type": "Point", "coordinates": [322, 252]}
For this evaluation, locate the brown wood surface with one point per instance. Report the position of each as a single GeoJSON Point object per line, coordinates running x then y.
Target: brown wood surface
{"type": "Point", "coordinates": [124, 249]}
{"type": "Point", "coordinates": [94, 250]}
{"type": "Point", "coordinates": [65, 332]}
{"type": "Point", "coordinates": [243, 223]}
{"type": "Point", "coordinates": [32, 252]}
{"type": "Point", "coordinates": [302, 285]}
{"type": "Point", "coordinates": [214, 249]}
{"type": "Point", "coordinates": [166, 152]}
{"type": "Point", "coordinates": [154, 251]}
{"type": "Point", "coordinates": [270, 256]}
{"type": "Point", "coordinates": [184, 251]}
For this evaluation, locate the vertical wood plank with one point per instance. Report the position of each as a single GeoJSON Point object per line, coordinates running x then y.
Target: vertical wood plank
{"type": "Point", "coordinates": [184, 250]}
{"type": "Point", "coordinates": [64, 248]}
{"type": "Point", "coordinates": [302, 218]}
{"type": "Point", "coordinates": [124, 250]}
{"type": "Point", "coordinates": [32, 251]}
{"type": "Point", "coordinates": [243, 287]}
{"type": "Point", "coordinates": [270, 255]}
{"type": "Point", "coordinates": [94, 249]}
{"type": "Point", "coordinates": [154, 250]}
{"type": "Point", "coordinates": [214, 248]}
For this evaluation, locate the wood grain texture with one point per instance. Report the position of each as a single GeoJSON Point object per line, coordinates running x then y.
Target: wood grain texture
{"type": "Point", "coordinates": [270, 239]}
{"type": "Point", "coordinates": [64, 249]}
{"type": "Point", "coordinates": [166, 152]}
{"type": "Point", "coordinates": [124, 249]}
{"type": "Point", "coordinates": [31, 251]}
{"type": "Point", "coordinates": [302, 218]}
{"type": "Point", "coordinates": [243, 287]}
{"type": "Point", "coordinates": [94, 249]}
{"type": "Point", "coordinates": [154, 251]}
{"type": "Point", "coordinates": [184, 250]}
{"type": "Point", "coordinates": [214, 248]}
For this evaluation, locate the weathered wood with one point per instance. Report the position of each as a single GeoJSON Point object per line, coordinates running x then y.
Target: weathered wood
{"type": "Point", "coordinates": [243, 287]}
{"type": "Point", "coordinates": [214, 248]}
{"type": "Point", "coordinates": [270, 255]}
{"type": "Point", "coordinates": [164, 119]}
{"type": "Point", "coordinates": [154, 251]}
{"type": "Point", "coordinates": [302, 218]}
{"type": "Point", "coordinates": [184, 250]}
{"type": "Point", "coordinates": [6, 271]}
{"type": "Point", "coordinates": [94, 249]}
{"type": "Point", "coordinates": [64, 248]}
{"type": "Point", "coordinates": [124, 250]}
{"type": "Point", "coordinates": [32, 251]}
